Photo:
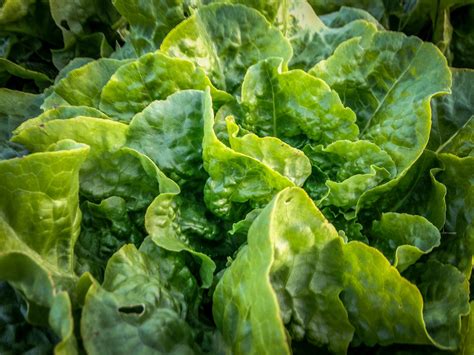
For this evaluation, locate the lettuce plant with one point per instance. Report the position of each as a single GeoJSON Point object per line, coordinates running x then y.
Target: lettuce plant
{"type": "Point", "coordinates": [236, 177]}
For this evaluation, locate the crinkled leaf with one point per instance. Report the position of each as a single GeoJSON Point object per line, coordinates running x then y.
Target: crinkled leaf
{"type": "Point", "coordinates": [418, 191]}
{"type": "Point", "coordinates": [462, 142]}
{"type": "Point", "coordinates": [14, 327]}
{"type": "Point", "coordinates": [105, 227]}
{"type": "Point", "coordinates": [389, 83]}
{"type": "Point", "coordinates": [344, 170]}
{"type": "Point", "coordinates": [283, 287]}
{"type": "Point", "coordinates": [83, 86]}
{"type": "Point", "coordinates": [445, 293]}
{"type": "Point", "coordinates": [225, 49]}
{"type": "Point", "coordinates": [150, 21]}
{"type": "Point", "coordinates": [457, 242]}
{"type": "Point", "coordinates": [144, 301]}
{"type": "Point", "coordinates": [170, 132]}
{"type": "Point", "coordinates": [294, 106]}
{"type": "Point", "coordinates": [404, 238]}
{"type": "Point", "coordinates": [320, 43]}
{"type": "Point", "coordinates": [451, 112]}
{"type": "Point", "coordinates": [153, 76]}
{"type": "Point", "coordinates": [40, 220]}
{"type": "Point", "coordinates": [234, 178]}
{"type": "Point", "coordinates": [272, 152]}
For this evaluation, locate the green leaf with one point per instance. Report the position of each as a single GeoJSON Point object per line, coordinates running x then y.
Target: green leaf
{"type": "Point", "coordinates": [151, 21]}
{"type": "Point", "coordinates": [467, 346]}
{"type": "Point", "coordinates": [282, 158]}
{"type": "Point", "coordinates": [320, 42]}
{"type": "Point", "coordinates": [375, 7]}
{"type": "Point", "coordinates": [389, 84]}
{"type": "Point", "coordinates": [124, 173]}
{"type": "Point", "coordinates": [83, 86]}
{"type": "Point", "coordinates": [462, 143]}
{"type": "Point", "coordinates": [153, 76]}
{"type": "Point", "coordinates": [39, 222]}
{"type": "Point", "coordinates": [452, 112]}
{"type": "Point", "coordinates": [13, 10]}
{"type": "Point", "coordinates": [224, 49]}
{"type": "Point", "coordinates": [143, 303]}
{"type": "Point", "coordinates": [9, 68]}
{"type": "Point", "coordinates": [344, 170]}
{"type": "Point", "coordinates": [445, 293]}
{"type": "Point", "coordinates": [404, 238]}
{"type": "Point", "coordinates": [178, 222]}
{"type": "Point", "coordinates": [462, 36]}
{"type": "Point", "coordinates": [305, 266]}
{"type": "Point", "coordinates": [250, 180]}
{"type": "Point", "coordinates": [418, 192]}
{"type": "Point", "coordinates": [457, 243]}
{"type": "Point", "coordinates": [61, 321]}
{"type": "Point", "coordinates": [60, 113]}
{"type": "Point", "coordinates": [16, 107]}
{"type": "Point", "coordinates": [13, 326]}
{"type": "Point", "coordinates": [346, 15]}
{"type": "Point", "coordinates": [170, 132]}
{"type": "Point", "coordinates": [105, 227]}
{"type": "Point", "coordinates": [284, 257]}
{"type": "Point", "coordinates": [294, 106]}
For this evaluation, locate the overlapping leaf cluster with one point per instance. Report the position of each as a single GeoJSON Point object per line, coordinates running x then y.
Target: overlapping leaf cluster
{"type": "Point", "coordinates": [236, 177]}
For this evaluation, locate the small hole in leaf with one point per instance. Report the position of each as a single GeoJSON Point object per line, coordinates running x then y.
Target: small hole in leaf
{"type": "Point", "coordinates": [65, 25]}
{"type": "Point", "coordinates": [136, 309]}
{"type": "Point", "coordinates": [288, 200]}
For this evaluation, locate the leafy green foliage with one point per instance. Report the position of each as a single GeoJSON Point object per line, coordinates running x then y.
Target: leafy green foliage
{"type": "Point", "coordinates": [237, 176]}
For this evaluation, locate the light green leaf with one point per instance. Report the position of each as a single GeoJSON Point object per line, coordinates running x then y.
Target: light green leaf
{"type": "Point", "coordinates": [224, 49]}
{"type": "Point", "coordinates": [61, 321]}
{"type": "Point", "coordinates": [124, 173]}
{"type": "Point", "coordinates": [344, 170]}
{"type": "Point", "coordinates": [318, 43]}
{"type": "Point", "coordinates": [170, 132]}
{"type": "Point", "coordinates": [144, 301]}
{"type": "Point", "coordinates": [294, 106]}
{"type": "Point", "coordinates": [82, 86]}
{"type": "Point", "coordinates": [177, 223]}
{"type": "Point", "coordinates": [404, 238]}
{"type": "Point", "coordinates": [389, 83]}
{"type": "Point", "coordinates": [150, 21]}
{"type": "Point", "coordinates": [13, 10]}
{"type": "Point", "coordinates": [282, 287]}
{"type": "Point", "coordinates": [282, 158]}
{"type": "Point", "coordinates": [39, 222]}
{"type": "Point", "coordinates": [153, 76]}
{"type": "Point", "coordinates": [60, 113]}
{"type": "Point", "coordinates": [250, 179]}
{"type": "Point", "coordinates": [346, 15]}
